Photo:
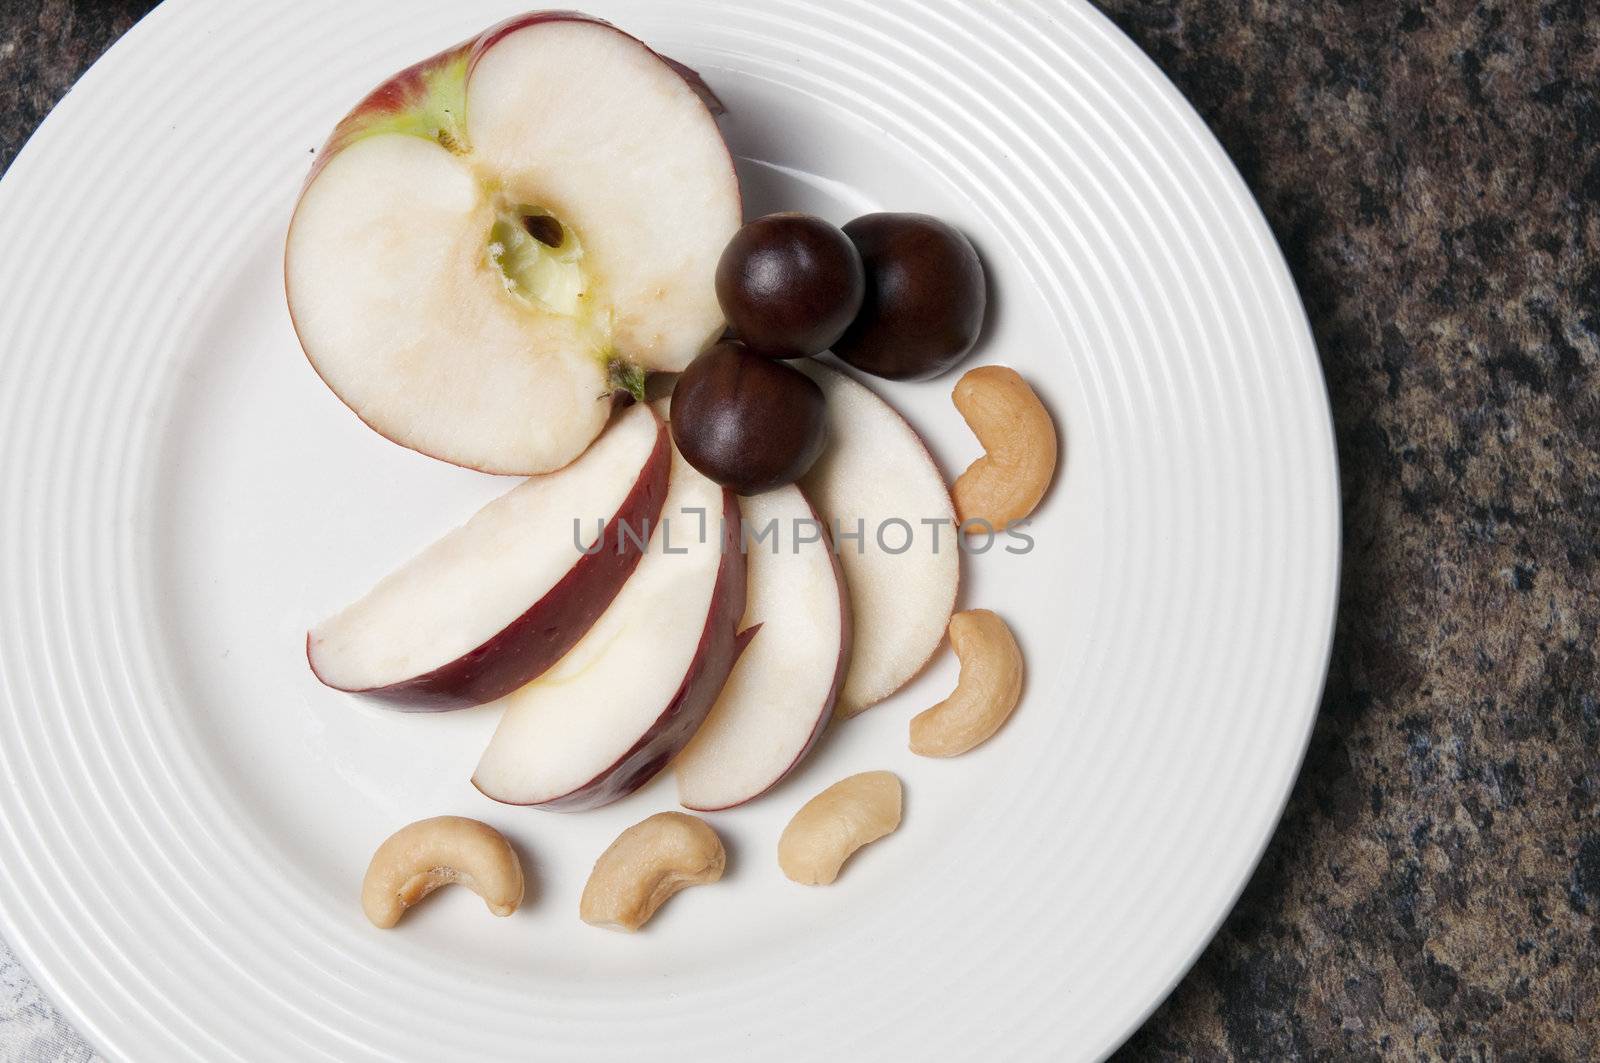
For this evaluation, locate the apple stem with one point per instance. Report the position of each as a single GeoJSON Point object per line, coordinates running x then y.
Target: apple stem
{"type": "Point", "coordinates": [625, 376]}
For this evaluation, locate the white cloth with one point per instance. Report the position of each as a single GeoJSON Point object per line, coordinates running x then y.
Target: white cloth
{"type": "Point", "coordinates": [31, 1029]}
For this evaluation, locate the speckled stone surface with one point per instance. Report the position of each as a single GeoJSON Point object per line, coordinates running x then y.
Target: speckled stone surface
{"type": "Point", "coordinates": [1432, 172]}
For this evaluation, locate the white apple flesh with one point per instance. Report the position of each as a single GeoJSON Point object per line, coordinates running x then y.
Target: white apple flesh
{"type": "Point", "coordinates": [878, 489]}
{"type": "Point", "coordinates": [633, 691]}
{"type": "Point", "coordinates": [500, 599]}
{"type": "Point", "coordinates": [427, 302]}
{"type": "Point", "coordinates": [780, 696]}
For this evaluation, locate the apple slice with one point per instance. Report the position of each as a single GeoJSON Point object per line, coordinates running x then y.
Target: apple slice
{"type": "Point", "coordinates": [878, 489]}
{"type": "Point", "coordinates": [500, 599]}
{"type": "Point", "coordinates": [780, 696]}
{"type": "Point", "coordinates": [499, 238]}
{"type": "Point", "coordinates": [634, 690]}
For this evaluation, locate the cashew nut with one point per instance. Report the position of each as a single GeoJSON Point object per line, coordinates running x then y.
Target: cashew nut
{"type": "Point", "coordinates": [837, 822]}
{"type": "Point", "coordinates": [430, 853]}
{"type": "Point", "coordinates": [649, 862]}
{"type": "Point", "coordinates": [990, 684]}
{"type": "Point", "coordinates": [1019, 443]}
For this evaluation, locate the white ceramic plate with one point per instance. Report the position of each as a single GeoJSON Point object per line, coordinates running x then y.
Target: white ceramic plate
{"type": "Point", "coordinates": [185, 814]}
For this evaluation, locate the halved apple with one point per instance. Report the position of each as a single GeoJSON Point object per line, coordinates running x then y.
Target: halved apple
{"type": "Point", "coordinates": [633, 691]}
{"type": "Point", "coordinates": [894, 529]}
{"type": "Point", "coordinates": [500, 599]}
{"type": "Point", "coordinates": [501, 237]}
{"type": "Point", "coordinates": [779, 698]}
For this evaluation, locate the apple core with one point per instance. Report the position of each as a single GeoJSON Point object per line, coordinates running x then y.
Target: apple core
{"type": "Point", "coordinates": [548, 274]}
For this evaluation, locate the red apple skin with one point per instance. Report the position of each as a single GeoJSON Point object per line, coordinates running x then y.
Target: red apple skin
{"type": "Point", "coordinates": [720, 645]}
{"type": "Point", "coordinates": [402, 92]}
{"type": "Point", "coordinates": [712, 101]}
{"type": "Point", "coordinates": [840, 669]}
{"type": "Point", "coordinates": [542, 635]}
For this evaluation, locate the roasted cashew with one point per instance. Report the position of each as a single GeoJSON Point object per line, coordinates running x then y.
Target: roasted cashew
{"type": "Point", "coordinates": [649, 862]}
{"type": "Point", "coordinates": [1019, 443]}
{"type": "Point", "coordinates": [837, 822]}
{"type": "Point", "coordinates": [430, 853]}
{"type": "Point", "coordinates": [990, 684]}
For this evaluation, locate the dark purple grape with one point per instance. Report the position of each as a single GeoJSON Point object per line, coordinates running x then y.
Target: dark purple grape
{"type": "Point", "coordinates": [789, 284]}
{"type": "Point", "coordinates": [925, 297]}
{"type": "Point", "coordinates": [745, 421]}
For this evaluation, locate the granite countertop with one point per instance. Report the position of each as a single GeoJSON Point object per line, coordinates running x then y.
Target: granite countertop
{"type": "Point", "coordinates": [1432, 172]}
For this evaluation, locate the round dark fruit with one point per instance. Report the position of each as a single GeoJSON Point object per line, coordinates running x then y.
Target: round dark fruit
{"type": "Point", "coordinates": [789, 285]}
{"type": "Point", "coordinates": [925, 297]}
{"type": "Point", "coordinates": [745, 421]}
